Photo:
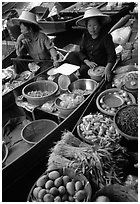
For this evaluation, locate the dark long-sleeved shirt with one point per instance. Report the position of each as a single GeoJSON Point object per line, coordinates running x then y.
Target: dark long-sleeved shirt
{"type": "Point", "coordinates": [100, 50]}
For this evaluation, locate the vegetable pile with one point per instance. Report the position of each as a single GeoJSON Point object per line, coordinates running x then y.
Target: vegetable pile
{"type": "Point", "coordinates": [70, 100]}
{"type": "Point", "coordinates": [39, 93]}
{"type": "Point", "coordinates": [82, 92]}
{"type": "Point", "coordinates": [59, 186]}
{"type": "Point", "coordinates": [105, 160]}
{"type": "Point", "coordinates": [127, 120]}
{"type": "Point", "coordinates": [97, 128]}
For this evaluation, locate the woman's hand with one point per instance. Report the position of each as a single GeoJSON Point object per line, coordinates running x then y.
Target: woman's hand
{"type": "Point", "coordinates": [107, 73]}
{"type": "Point", "coordinates": [90, 64]}
{"type": "Point", "coordinates": [55, 63]}
{"type": "Point", "coordinates": [20, 44]}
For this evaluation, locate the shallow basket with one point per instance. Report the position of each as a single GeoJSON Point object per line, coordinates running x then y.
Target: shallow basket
{"type": "Point", "coordinates": [119, 102]}
{"type": "Point", "coordinates": [73, 175]}
{"type": "Point", "coordinates": [44, 85]}
{"type": "Point", "coordinates": [128, 137]}
{"type": "Point", "coordinates": [36, 130]}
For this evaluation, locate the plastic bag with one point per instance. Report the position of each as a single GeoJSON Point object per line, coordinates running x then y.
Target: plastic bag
{"type": "Point", "coordinates": [121, 35]}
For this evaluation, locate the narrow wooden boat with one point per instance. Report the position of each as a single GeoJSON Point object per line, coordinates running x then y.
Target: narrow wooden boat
{"type": "Point", "coordinates": [63, 21]}
{"type": "Point", "coordinates": [23, 172]}
{"type": "Point", "coordinates": [35, 157]}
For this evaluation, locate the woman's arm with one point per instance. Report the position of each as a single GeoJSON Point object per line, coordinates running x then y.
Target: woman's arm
{"type": "Point", "coordinates": [111, 59]}
{"type": "Point", "coordinates": [53, 52]}
{"type": "Point", "coordinates": [82, 52]}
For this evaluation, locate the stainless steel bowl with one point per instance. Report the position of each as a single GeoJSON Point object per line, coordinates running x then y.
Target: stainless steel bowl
{"type": "Point", "coordinates": [86, 86]}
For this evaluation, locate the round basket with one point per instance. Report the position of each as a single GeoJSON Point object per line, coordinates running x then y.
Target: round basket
{"type": "Point", "coordinates": [49, 88]}
{"type": "Point", "coordinates": [129, 122]}
{"type": "Point", "coordinates": [65, 196]}
{"type": "Point", "coordinates": [36, 130]}
{"type": "Point", "coordinates": [83, 86]}
{"type": "Point", "coordinates": [112, 100]}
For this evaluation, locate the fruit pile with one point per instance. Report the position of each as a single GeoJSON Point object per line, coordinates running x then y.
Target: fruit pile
{"type": "Point", "coordinates": [56, 186]}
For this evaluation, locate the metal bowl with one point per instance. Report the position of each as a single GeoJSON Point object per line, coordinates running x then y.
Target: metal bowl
{"type": "Point", "coordinates": [64, 111]}
{"type": "Point", "coordinates": [44, 85]}
{"type": "Point", "coordinates": [85, 86]}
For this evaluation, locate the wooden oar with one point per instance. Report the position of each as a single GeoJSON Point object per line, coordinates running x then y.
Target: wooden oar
{"type": "Point", "coordinates": [30, 60]}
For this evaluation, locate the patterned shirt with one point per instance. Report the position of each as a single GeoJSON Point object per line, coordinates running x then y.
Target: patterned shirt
{"type": "Point", "coordinates": [38, 48]}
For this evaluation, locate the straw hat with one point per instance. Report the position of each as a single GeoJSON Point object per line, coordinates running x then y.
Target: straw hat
{"type": "Point", "coordinates": [26, 17]}
{"type": "Point", "coordinates": [93, 12]}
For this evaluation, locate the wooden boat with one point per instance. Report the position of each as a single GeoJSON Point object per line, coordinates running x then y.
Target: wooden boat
{"type": "Point", "coordinates": [24, 171]}
{"type": "Point", "coordinates": [32, 164]}
{"type": "Point", "coordinates": [63, 21]}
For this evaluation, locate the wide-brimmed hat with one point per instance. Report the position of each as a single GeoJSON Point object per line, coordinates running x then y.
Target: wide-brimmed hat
{"type": "Point", "coordinates": [26, 17]}
{"type": "Point", "coordinates": [93, 12]}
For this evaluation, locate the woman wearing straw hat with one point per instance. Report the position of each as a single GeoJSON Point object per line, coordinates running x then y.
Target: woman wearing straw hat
{"type": "Point", "coordinates": [96, 47]}
{"type": "Point", "coordinates": [33, 44]}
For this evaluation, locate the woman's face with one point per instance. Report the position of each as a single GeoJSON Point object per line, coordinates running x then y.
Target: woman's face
{"type": "Point", "coordinates": [93, 27]}
{"type": "Point", "coordinates": [23, 28]}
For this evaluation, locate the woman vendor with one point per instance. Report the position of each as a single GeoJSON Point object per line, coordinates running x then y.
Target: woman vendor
{"type": "Point", "coordinates": [33, 44]}
{"type": "Point", "coordinates": [96, 47]}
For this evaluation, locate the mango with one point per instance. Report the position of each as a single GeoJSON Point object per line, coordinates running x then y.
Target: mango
{"type": "Point", "coordinates": [70, 186]}
{"type": "Point", "coordinates": [41, 193]}
{"type": "Point", "coordinates": [54, 175]}
{"type": "Point", "coordinates": [80, 195]}
{"type": "Point", "coordinates": [48, 198]}
{"type": "Point", "coordinates": [58, 182]}
{"type": "Point", "coordinates": [36, 190]}
{"type": "Point", "coordinates": [57, 199]}
{"type": "Point", "coordinates": [42, 180]}
{"type": "Point", "coordinates": [62, 190]}
{"type": "Point", "coordinates": [66, 179]}
{"type": "Point", "coordinates": [64, 198]}
{"type": "Point", "coordinates": [54, 191]}
{"type": "Point", "coordinates": [49, 184]}
{"type": "Point", "coordinates": [71, 199]}
{"type": "Point", "coordinates": [78, 185]}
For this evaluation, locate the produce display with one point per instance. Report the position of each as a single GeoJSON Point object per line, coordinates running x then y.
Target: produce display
{"type": "Point", "coordinates": [82, 92]}
{"type": "Point", "coordinates": [111, 100]}
{"type": "Point", "coordinates": [97, 127]}
{"type": "Point", "coordinates": [39, 93]}
{"type": "Point", "coordinates": [127, 120]}
{"type": "Point", "coordinates": [106, 160]}
{"type": "Point", "coordinates": [70, 100]}
{"type": "Point", "coordinates": [120, 79]}
{"type": "Point", "coordinates": [61, 185]}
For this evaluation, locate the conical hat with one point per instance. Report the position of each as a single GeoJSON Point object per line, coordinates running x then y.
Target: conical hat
{"type": "Point", "coordinates": [26, 17]}
{"type": "Point", "coordinates": [93, 12]}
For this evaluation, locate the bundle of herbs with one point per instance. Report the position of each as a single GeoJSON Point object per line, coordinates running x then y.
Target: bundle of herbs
{"type": "Point", "coordinates": [101, 160]}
